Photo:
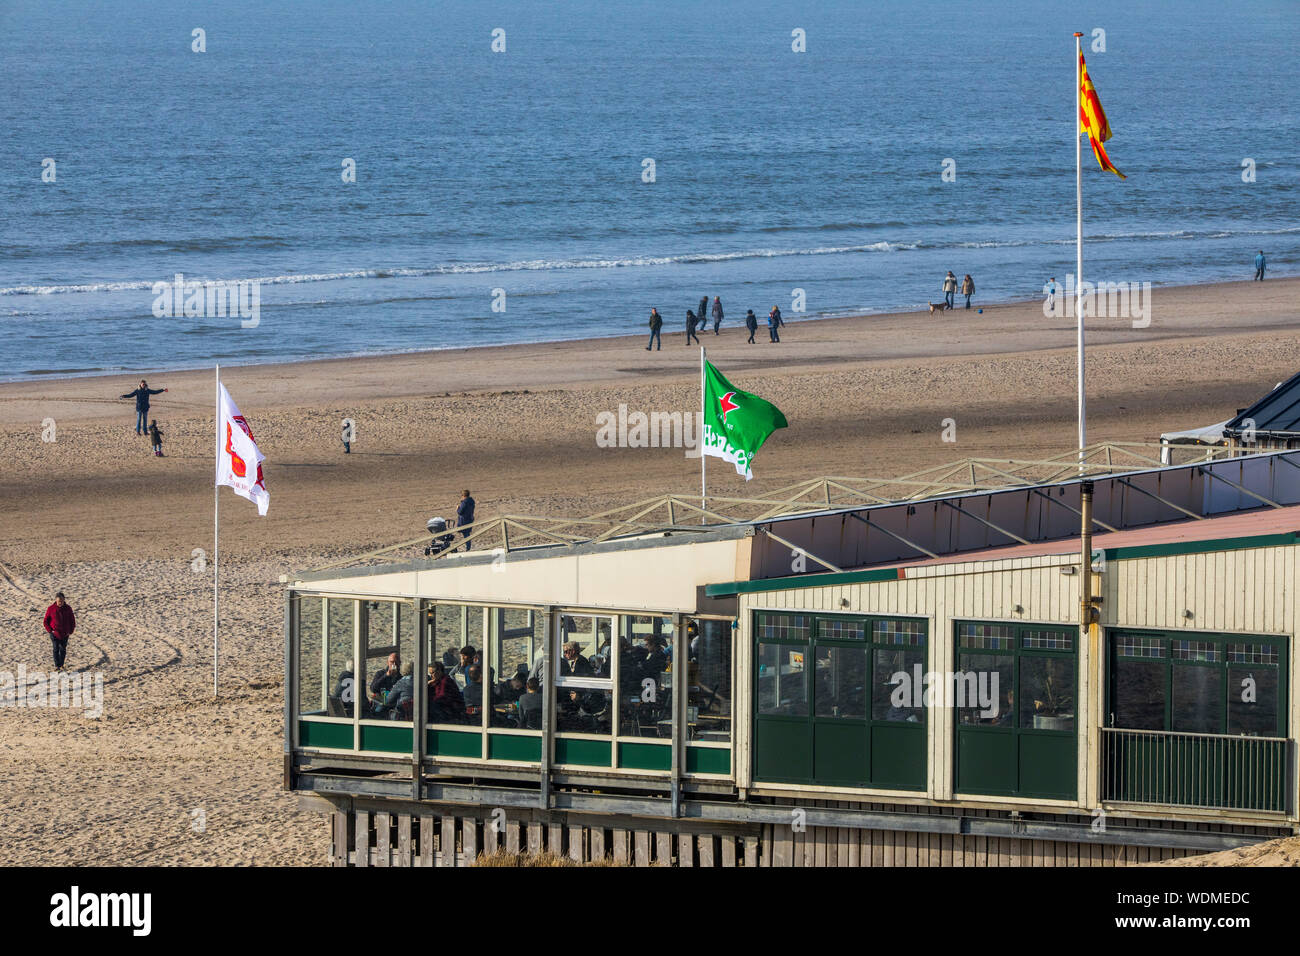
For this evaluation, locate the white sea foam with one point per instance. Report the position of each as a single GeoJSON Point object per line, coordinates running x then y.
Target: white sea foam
{"type": "Point", "coordinates": [557, 265]}
{"type": "Point", "coordinates": [525, 265]}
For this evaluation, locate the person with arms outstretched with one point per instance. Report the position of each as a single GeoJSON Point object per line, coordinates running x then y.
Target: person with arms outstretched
{"type": "Point", "coordinates": [141, 396]}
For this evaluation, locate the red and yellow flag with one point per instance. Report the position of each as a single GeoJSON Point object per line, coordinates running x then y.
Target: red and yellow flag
{"type": "Point", "coordinates": [1092, 119]}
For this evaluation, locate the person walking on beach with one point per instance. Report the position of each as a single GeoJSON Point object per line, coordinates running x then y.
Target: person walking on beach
{"type": "Point", "coordinates": [141, 396]}
{"type": "Point", "coordinates": [751, 323]}
{"type": "Point", "coordinates": [465, 515]}
{"type": "Point", "coordinates": [717, 314]}
{"type": "Point", "coordinates": [1259, 266]}
{"type": "Point", "coordinates": [774, 323]}
{"type": "Point", "coordinates": [968, 288]}
{"type": "Point", "coordinates": [656, 323]}
{"type": "Point", "coordinates": [949, 287]}
{"type": "Point", "coordinates": [155, 436]}
{"type": "Point", "coordinates": [1050, 289]}
{"type": "Point", "coordinates": [60, 622]}
{"type": "Point", "coordinates": [702, 314]}
{"type": "Point", "coordinates": [691, 323]}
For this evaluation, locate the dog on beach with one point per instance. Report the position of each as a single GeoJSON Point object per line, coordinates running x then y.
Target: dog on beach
{"type": "Point", "coordinates": [937, 308]}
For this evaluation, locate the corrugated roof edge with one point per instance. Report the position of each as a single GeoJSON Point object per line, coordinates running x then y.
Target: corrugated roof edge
{"type": "Point", "coordinates": [1235, 425]}
{"type": "Point", "coordinates": [873, 575]}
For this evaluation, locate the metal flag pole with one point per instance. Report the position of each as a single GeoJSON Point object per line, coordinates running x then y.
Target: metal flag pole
{"type": "Point", "coordinates": [704, 495]}
{"type": "Point", "coordinates": [1078, 223]}
{"type": "Point", "coordinates": [216, 534]}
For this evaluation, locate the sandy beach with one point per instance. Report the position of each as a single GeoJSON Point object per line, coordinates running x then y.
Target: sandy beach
{"type": "Point", "coordinates": [167, 776]}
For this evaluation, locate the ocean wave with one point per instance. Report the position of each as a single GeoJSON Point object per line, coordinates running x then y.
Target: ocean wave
{"type": "Point", "coordinates": [558, 265]}
{"type": "Point", "coordinates": [525, 265]}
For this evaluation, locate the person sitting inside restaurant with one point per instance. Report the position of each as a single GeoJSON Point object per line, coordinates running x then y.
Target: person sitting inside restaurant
{"type": "Point", "coordinates": [574, 664]}
{"type": "Point", "coordinates": [400, 694]}
{"type": "Point", "coordinates": [530, 705]}
{"type": "Point", "coordinates": [1006, 716]}
{"type": "Point", "coordinates": [473, 692]}
{"type": "Point", "coordinates": [572, 713]}
{"type": "Point", "coordinates": [509, 691]}
{"type": "Point", "coordinates": [603, 644]}
{"type": "Point", "coordinates": [630, 660]}
{"type": "Point", "coordinates": [446, 705]}
{"type": "Point", "coordinates": [655, 661]}
{"type": "Point", "coordinates": [344, 688]}
{"type": "Point", "coordinates": [460, 673]}
{"type": "Point", "coordinates": [384, 679]}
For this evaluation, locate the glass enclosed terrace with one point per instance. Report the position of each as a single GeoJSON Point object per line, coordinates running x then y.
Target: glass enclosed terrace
{"type": "Point", "coordinates": [476, 680]}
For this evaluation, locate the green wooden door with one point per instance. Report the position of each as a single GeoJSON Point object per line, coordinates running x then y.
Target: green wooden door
{"type": "Point", "coordinates": [1014, 704]}
{"type": "Point", "coordinates": [824, 714]}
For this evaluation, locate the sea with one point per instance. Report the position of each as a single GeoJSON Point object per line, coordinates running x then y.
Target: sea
{"type": "Point", "coordinates": [404, 176]}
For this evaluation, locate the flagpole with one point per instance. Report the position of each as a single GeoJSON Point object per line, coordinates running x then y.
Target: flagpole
{"type": "Point", "coordinates": [703, 457]}
{"type": "Point", "coordinates": [1078, 223]}
{"type": "Point", "coordinates": [216, 533]}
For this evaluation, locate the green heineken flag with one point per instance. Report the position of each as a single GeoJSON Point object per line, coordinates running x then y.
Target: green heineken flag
{"type": "Point", "coordinates": [736, 423]}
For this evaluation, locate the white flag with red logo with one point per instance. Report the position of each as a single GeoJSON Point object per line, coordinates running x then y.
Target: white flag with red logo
{"type": "Point", "coordinates": [239, 460]}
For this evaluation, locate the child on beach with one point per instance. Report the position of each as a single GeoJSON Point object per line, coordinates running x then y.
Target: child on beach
{"type": "Point", "coordinates": [155, 436]}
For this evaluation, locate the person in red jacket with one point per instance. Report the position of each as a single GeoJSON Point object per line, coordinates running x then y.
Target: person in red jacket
{"type": "Point", "coordinates": [60, 622]}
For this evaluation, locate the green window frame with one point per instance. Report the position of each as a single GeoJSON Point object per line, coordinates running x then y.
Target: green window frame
{"type": "Point", "coordinates": [1029, 747]}
{"type": "Point", "coordinates": [1171, 668]}
{"type": "Point", "coordinates": [824, 713]}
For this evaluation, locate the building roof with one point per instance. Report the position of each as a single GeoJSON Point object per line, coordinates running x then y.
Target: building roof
{"type": "Point", "coordinates": [1277, 413]}
{"type": "Point", "coordinates": [1263, 527]}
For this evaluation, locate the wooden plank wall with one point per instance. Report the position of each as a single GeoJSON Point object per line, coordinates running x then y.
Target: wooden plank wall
{"type": "Point", "coordinates": [363, 838]}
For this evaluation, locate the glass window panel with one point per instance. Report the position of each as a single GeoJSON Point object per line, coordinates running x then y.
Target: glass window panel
{"type": "Point", "coordinates": [390, 691]}
{"type": "Point", "coordinates": [454, 641]}
{"type": "Point", "coordinates": [1139, 694]}
{"type": "Point", "coordinates": [516, 636]}
{"type": "Point", "coordinates": [992, 684]}
{"type": "Point", "coordinates": [1252, 654]}
{"type": "Point", "coordinates": [1183, 650]}
{"type": "Point", "coordinates": [1253, 701]}
{"type": "Point", "coordinates": [1046, 692]}
{"type": "Point", "coordinates": [584, 711]}
{"type": "Point", "coordinates": [458, 640]}
{"type": "Point", "coordinates": [1197, 700]}
{"type": "Point", "coordinates": [344, 689]}
{"type": "Point", "coordinates": [1132, 645]}
{"type": "Point", "coordinates": [899, 632]}
{"type": "Point", "coordinates": [645, 676]}
{"type": "Point", "coordinates": [990, 637]}
{"type": "Point", "coordinates": [576, 637]}
{"type": "Point", "coordinates": [312, 680]}
{"type": "Point", "coordinates": [1047, 640]}
{"type": "Point", "coordinates": [782, 680]}
{"type": "Point", "coordinates": [894, 691]}
{"type": "Point", "coordinates": [584, 700]}
{"type": "Point", "coordinates": [709, 680]}
{"type": "Point", "coordinates": [784, 627]}
{"type": "Point", "coordinates": [841, 629]}
{"type": "Point", "coordinates": [840, 682]}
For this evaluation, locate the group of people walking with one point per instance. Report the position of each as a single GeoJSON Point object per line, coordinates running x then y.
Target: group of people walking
{"type": "Point", "coordinates": [697, 321]}
{"type": "Point", "coordinates": [950, 288]}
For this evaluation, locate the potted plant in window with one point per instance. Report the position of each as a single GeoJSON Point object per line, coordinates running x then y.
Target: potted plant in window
{"type": "Point", "coordinates": [1055, 711]}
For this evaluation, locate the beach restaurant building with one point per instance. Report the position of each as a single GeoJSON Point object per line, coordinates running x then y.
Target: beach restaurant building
{"type": "Point", "coordinates": [900, 679]}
